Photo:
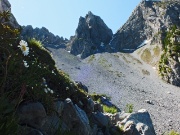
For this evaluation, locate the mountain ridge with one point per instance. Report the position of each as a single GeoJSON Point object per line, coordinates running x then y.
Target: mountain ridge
{"type": "Point", "coordinates": [92, 36]}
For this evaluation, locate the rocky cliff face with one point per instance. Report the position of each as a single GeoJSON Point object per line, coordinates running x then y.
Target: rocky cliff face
{"type": "Point", "coordinates": [92, 36]}
{"type": "Point", "coordinates": [148, 22]}
{"type": "Point", "coordinates": [148, 25]}
{"type": "Point", "coordinates": [43, 35]}
{"type": "Point", "coordinates": [169, 65]}
{"type": "Point", "coordinates": [5, 11]}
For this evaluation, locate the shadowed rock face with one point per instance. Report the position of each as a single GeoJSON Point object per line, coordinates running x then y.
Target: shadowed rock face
{"type": "Point", "coordinates": [92, 36]}
{"type": "Point", "coordinates": [6, 6]}
{"type": "Point", "coordinates": [148, 21]}
{"type": "Point", "coordinates": [43, 35]}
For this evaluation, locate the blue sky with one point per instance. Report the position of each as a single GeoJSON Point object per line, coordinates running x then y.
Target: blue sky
{"type": "Point", "coordinates": [61, 16]}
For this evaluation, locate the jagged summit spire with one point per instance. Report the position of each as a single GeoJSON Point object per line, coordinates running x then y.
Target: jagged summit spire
{"type": "Point", "coordinates": [90, 13]}
{"type": "Point", "coordinates": [92, 35]}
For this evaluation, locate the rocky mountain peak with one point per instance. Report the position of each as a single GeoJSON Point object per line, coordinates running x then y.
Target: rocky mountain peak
{"type": "Point", "coordinates": [148, 21]}
{"type": "Point", "coordinates": [5, 6]}
{"type": "Point", "coordinates": [43, 35]}
{"type": "Point", "coordinates": [90, 15]}
{"type": "Point", "coordinates": [92, 36]}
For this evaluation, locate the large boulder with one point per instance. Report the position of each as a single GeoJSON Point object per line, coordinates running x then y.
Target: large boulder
{"type": "Point", "coordinates": [138, 123]}
{"type": "Point", "coordinates": [32, 114]}
{"type": "Point", "coordinates": [75, 119]}
{"type": "Point", "coordinates": [92, 36]}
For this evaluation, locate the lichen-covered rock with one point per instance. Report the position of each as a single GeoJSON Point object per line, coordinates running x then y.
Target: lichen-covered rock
{"type": "Point", "coordinates": [92, 36]}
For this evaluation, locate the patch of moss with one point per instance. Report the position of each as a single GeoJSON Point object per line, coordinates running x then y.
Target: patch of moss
{"type": "Point", "coordinates": [145, 72]}
{"type": "Point", "coordinates": [103, 62]}
{"type": "Point", "coordinates": [146, 56]}
{"type": "Point", "coordinates": [156, 51]}
{"type": "Point", "coordinates": [91, 58]}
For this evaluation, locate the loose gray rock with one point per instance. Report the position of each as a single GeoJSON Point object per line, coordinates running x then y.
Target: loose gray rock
{"type": "Point", "coordinates": [149, 102]}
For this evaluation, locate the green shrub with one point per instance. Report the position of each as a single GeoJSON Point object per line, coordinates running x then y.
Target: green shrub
{"type": "Point", "coordinates": [129, 108]}
{"type": "Point", "coordinates": [108, 109]}
{"type": "Point", "coordinates": [173, 133]}
{"type": "Point", "coordinates": [36, 42]}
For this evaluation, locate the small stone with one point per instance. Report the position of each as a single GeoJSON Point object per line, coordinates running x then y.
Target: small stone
{"type": "Point", "coordinates": [168, 92]}
{"type": "Point", "coordinates": [149, 102]}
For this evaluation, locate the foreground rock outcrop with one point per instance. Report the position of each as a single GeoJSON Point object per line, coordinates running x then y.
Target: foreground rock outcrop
{"type": "Point", "coordinates": [138, 123]}
{"type": "Point", "coordinates": [73, 120]}
{"type": "Point", "coordinates": [92, 36]}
